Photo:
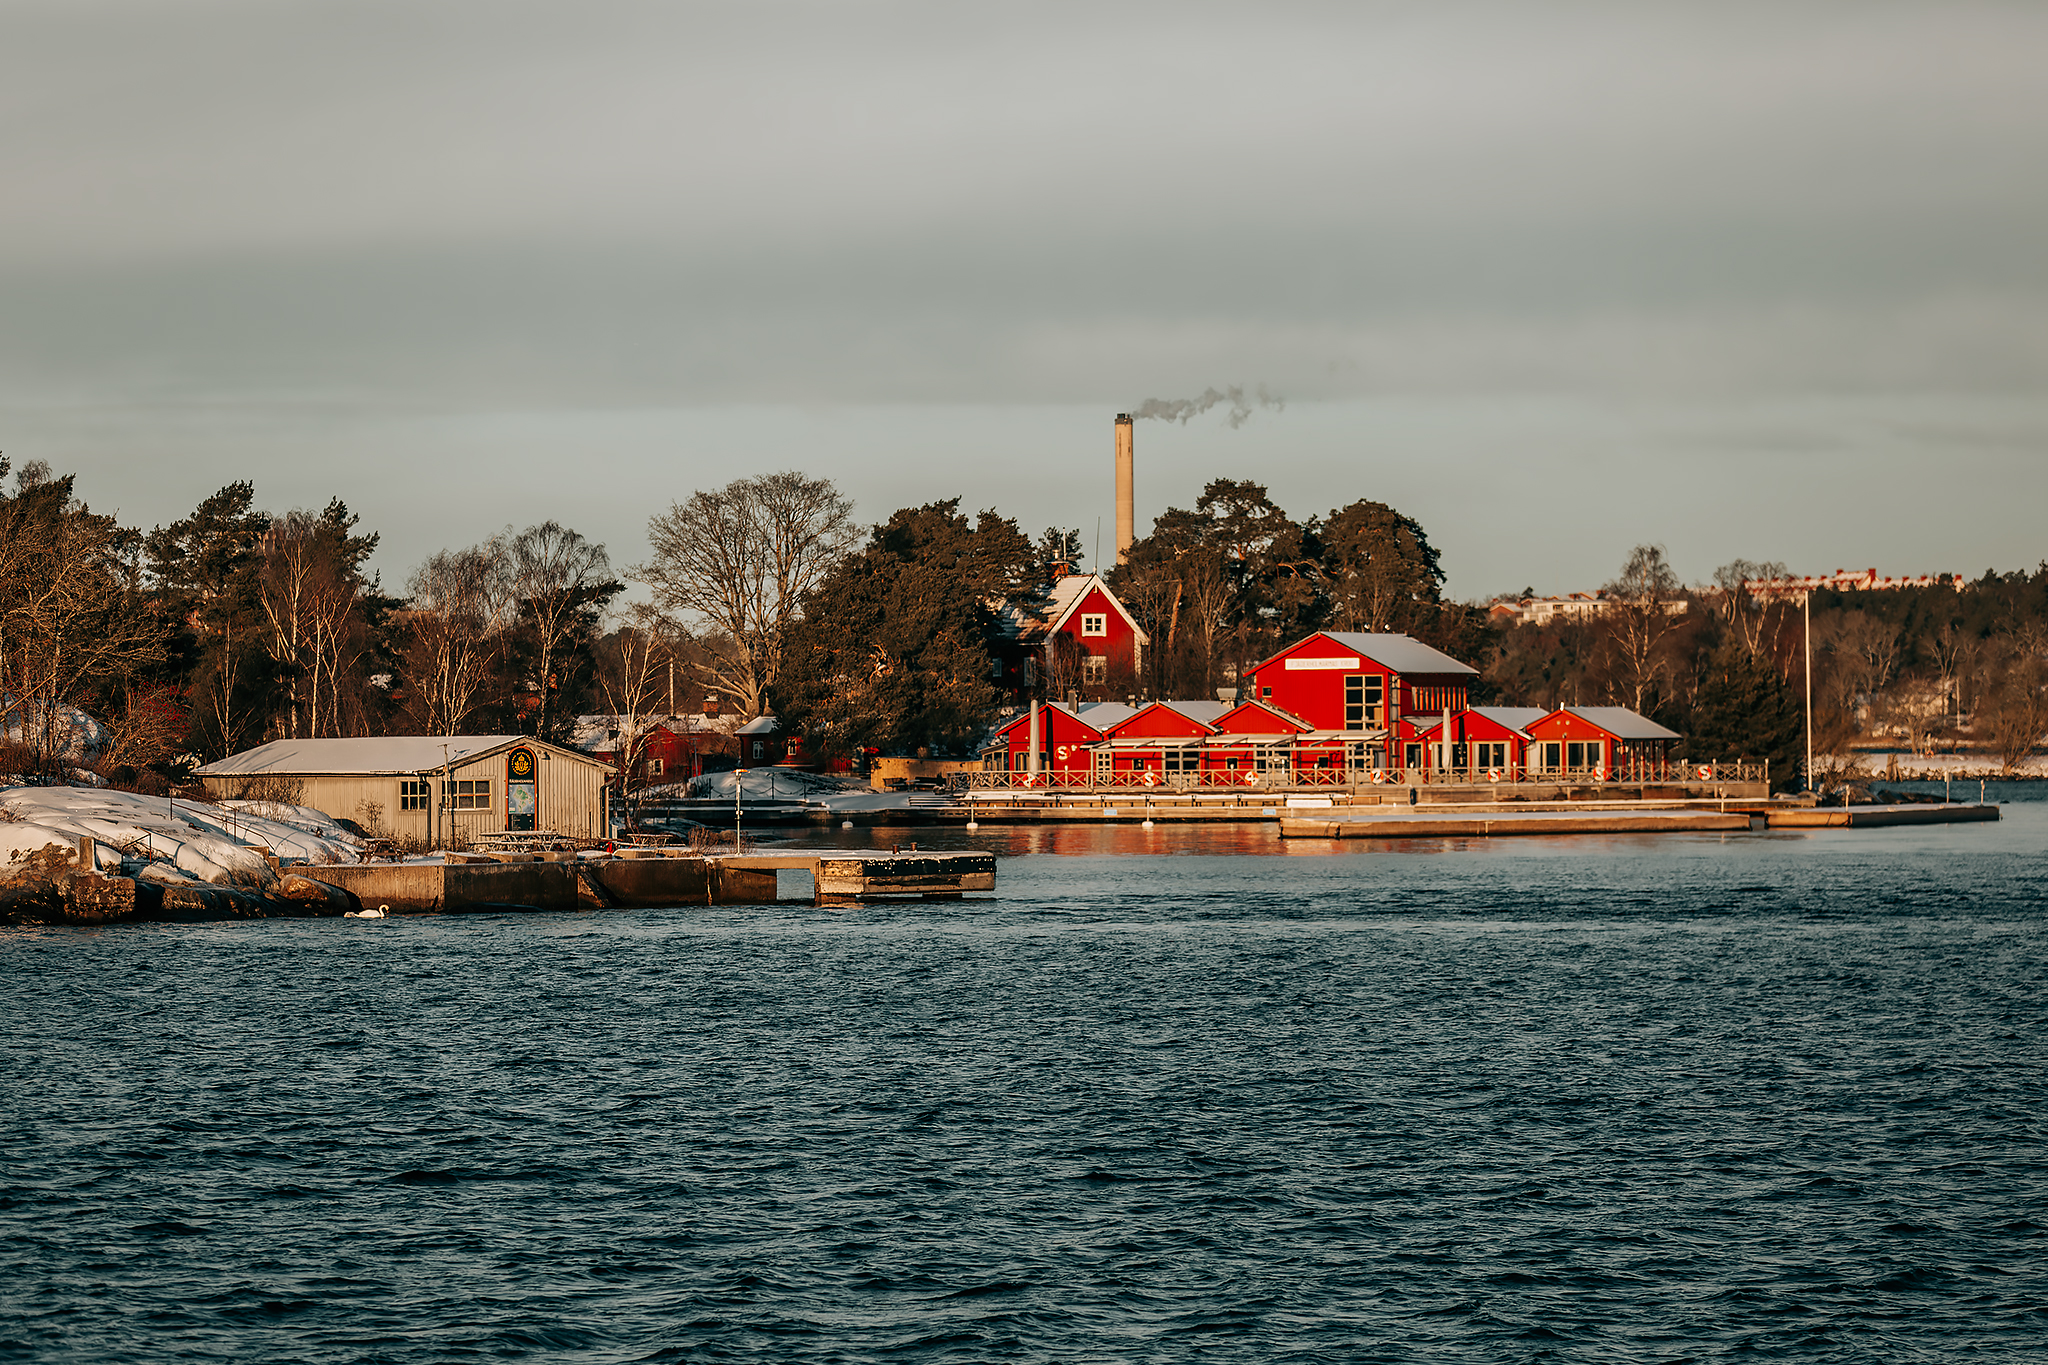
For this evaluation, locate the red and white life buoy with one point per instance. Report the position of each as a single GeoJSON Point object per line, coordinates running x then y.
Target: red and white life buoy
{"type": "Point", "coordinates": [1151, 779]}
{"type": "Point", "coordinates": [1379, 774]}
{"type": "Point", "coordinates": [1706, 772]}
{"type": "Point", "coordinates": [1493, 775]}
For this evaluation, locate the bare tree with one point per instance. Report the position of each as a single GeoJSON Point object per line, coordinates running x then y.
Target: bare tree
{"type": "Point", "coordinates": [1644, 611]}
{"type": "Point", "coordinates": [1753, 621]}
{"type": "Point", "coordinates": [632, 678]}
{"type": "Point", "coordinates": [556, 574]}
{"type": "Point", "coordinates": [2012, 716]}
{"type": "Point", "coordinates": [461, 604]}
{"type": "Point", "coordinates": [738, 561]}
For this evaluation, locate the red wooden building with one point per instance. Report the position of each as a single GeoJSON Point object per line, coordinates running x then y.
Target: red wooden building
{"type": "Point", "coordinates": [670, 749]}
{"type": "Point", "coordinates": [1080, 639]}
{"type": "Point", "coordinates": [1164, 737]}
{"type": "Point", "coordinates": [1604, 742]}
{"type": "Point", "coordinates": [1067, 736]}
{"type": "Point", "coordinates": [1377, 687]}
{"type": "Point", "coordinates": [1485, 741]}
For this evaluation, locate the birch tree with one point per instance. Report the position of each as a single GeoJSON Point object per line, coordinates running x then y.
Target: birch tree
{"type": "Point", "coordinates": [460, 604]}
{"type": "Point", "coordinates": [558, 579]}
{"type": "Point", "coordinates": [1638, 621]}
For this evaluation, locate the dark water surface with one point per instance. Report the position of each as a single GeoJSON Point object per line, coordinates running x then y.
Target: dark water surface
{"type": "Point", "coordinates": [1632, 1099]}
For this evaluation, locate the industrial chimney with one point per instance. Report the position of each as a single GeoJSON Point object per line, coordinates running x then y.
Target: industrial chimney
{"type": "Point", "coordinates": [1125, 516]}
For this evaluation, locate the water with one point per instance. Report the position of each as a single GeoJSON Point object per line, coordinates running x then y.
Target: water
{"type": "Point", "coordinates": [1630, 1099]}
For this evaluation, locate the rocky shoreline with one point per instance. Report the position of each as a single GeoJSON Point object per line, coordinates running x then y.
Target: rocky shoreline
{"type": "Point", "coordinates": [48, 890]}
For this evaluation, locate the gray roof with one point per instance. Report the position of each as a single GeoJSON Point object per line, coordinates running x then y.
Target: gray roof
{"type": "Point", "coordinates": [1623, 723]}
{"type": "Point", "coordinates": [1403, 653]}
{"type": "Point", "coordinates": [379, 754]}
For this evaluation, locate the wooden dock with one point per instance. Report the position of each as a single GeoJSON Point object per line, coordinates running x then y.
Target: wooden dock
{"type": "Point", "coordinates": [648, 878]}
{"type": "Point", "coordinates": [1423, 823]}
{"type": "Point", "coordinates": [1879, 817]}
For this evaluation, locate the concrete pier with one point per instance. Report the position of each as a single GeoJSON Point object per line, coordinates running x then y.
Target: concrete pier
{"type": "Point", "coordinates": [655, 878]}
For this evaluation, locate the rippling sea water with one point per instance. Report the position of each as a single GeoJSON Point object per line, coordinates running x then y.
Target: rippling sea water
{"type": "Point", "coordinates": [1170, 1094]}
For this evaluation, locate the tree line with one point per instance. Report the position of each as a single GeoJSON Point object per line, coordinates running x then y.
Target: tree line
{"type": "Point", "coordinates": [233, 626]}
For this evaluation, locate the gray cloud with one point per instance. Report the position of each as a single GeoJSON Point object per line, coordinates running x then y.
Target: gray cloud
{"type": "Point", "coordinates": [383, 218]}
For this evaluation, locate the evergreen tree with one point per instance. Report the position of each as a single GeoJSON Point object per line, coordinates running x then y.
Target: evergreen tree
{"type": "Point", "coordinates": [208, 572]}
{"type": "Point", "coordinates": [1745, 710]}
{"type": "Point", "coordinates": [893, 649]}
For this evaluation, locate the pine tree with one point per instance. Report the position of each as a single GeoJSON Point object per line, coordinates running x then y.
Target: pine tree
{"type": "Point", "coordinates": [1746, 711]}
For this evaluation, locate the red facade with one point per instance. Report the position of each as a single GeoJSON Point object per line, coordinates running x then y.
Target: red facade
{"type": "Point", "coordinates": [1080, 641]}
{"type": "Point", "coordinates": [1347, 681]}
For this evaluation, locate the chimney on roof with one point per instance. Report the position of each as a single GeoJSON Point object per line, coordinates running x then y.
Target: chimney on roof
{"type": "Point", "coordinates": [1125, 515]}
{"type": "Point", "coordinates": [710, 703]}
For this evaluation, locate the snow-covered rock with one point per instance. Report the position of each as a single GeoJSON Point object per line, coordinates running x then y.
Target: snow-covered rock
{"type": "Point", "coordinates": [79, 736]}
{"type": "Point", "coordinates": [210, 843]}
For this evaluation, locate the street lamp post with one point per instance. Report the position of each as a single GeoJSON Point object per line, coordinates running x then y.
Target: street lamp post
{"type": "Point", "coordinates": [739, 777]}
{"type": "Point", "coordinates": [1806, 611]}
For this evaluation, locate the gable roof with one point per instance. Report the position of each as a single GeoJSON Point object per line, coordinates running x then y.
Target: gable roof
{"type": "Point", "coordinates": [385, 754]}
{"type": "Point", "coordinates": [1404, 654]}
{"type": "Point", "coordinates": [1618, 721]}
{"type": "Point", "coordinates": [1098, 716]}
{"type": "Point", "coordinates": [1062, 600]}
{"type": "Point", "coordinates": [1515, 718]}
{"type": "Point", "coordinates": [1285, 720]}
{"type": "Point", "coordinates": [1201, 714]}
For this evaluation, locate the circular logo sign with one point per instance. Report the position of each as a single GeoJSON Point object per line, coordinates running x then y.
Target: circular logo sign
{"type": "Point", "coordinates": [519, 766]}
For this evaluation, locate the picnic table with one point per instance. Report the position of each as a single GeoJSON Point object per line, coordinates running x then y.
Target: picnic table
{"type": "Point", "coordinates": [519, 841]}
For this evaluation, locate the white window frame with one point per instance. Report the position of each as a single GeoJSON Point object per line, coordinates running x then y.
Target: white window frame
{"type": "Point", "coordinates": [1095, 669]}
{"type": "Point", "coordinates": [1095, 623]}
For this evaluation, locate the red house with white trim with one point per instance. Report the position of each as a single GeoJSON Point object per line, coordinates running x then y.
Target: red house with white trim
{"type": "Point", "coordinates": [1163, 737]}
{"type": "Point", "coordinates": [1080, 639]}
{"type": "Point", "coordinates": [1067, 736]}
{"type": "Point", "coordinates": [1487, 743]}
{"type": "Point", "coordinates": [1361, 684]}
{"type": "Point", "coordinates": [1603, 742]}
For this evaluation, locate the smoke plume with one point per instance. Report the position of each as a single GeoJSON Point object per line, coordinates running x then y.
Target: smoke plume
{"type": "Point", "coordinates": [1180, 409]}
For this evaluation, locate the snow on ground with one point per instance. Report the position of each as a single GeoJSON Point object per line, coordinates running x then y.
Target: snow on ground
{"type": "Point", "coordinates": [317, 823]}
{"type": "Point", "coordinates": [210, 843]}
{"type": "Point", "coordinates": [1934, 767]}
{"type": "Point", "coordinates": [772, 784]}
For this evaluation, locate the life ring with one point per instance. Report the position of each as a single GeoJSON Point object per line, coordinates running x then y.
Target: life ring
{"type": "Point", "coordinates": [1706, 772]}
{"type": "Point", "coordinates": [1379, 774]}
{"type": "Point", "coordinates": [1493, 775]}
{"type": "Point", "coordinates": [1599, 774]}
{"type": "Point", "coordinates": [1151, 779]}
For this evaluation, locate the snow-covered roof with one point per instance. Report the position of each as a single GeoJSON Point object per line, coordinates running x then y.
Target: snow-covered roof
{"type": "Point", "coordinates": [1621, 722]}
{"type": "Point", "coordinates": [760, 725]}
{"type": "Point", "coordinates": [1403, 654]}
{"type": "Point", "coordinates": [1286, 718]}
{"type": "Point", "coordinates": [381, 754]}
{"type": "Point", "coordinates": [601, 733]}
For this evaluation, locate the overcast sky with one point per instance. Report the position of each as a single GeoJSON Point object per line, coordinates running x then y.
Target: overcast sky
{"type": "Point", "coordinates": [1763, 281]}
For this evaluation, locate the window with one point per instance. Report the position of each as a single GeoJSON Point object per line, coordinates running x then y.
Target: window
{"type": "Point", "coordinates": [1105, 759]}
{"type": "Point", "coordinates": [466, 795]}
{"type": "Point", "coordinates": [1586, 755]}
{"type": "Point", "coordinates": [1490, 755]}
{"type": "Point", "coordinates": [1095, 669]}
{"type": "Point", "coordinates": [1095, 623]}
{"type": "Point", "coordinates": [412, 795]}
{"type": "Point", "coordinates": [1362, 696]}
{"type": "Point", "coordinates": [1553, 754]}
{"type": "Point", "coordinates": [760, 750]}
{"type": "Point", "coordinates": [654, 767]}
{"type": "Point", "coordinates": [1274, 760]}
{"type": "Point", "coordinates": [1182, 760]}
{"type": "Point", "coordinates": [1414, 756]}
{"type": "Point", "coordinates": [1265, 694]}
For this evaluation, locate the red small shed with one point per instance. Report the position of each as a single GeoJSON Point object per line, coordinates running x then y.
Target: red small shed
{"type": "Point", "coordinates": [1485, 741]}
{"type": "Point", "coordinates": [1164, 737]}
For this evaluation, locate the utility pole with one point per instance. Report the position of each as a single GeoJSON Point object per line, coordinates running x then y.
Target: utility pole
{"type": "Point", "coordinates": [739, 777]}
{"type": "Point", "coordinates": [1806, 611]}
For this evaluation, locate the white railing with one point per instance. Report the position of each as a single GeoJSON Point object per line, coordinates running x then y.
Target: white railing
{"type": "Point", "coordinates": [1248, 780]}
